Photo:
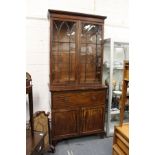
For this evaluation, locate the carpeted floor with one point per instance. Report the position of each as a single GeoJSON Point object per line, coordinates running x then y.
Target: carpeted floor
{"type": "Point", "coordinates": [92, 145]}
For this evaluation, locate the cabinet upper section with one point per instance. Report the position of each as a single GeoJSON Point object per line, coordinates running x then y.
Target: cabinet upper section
{"type": "Point", "coordinates": [76, 49]}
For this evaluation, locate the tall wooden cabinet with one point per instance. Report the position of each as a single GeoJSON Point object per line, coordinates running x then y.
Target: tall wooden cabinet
{"type": "Point", "coordinates": [76, 58]}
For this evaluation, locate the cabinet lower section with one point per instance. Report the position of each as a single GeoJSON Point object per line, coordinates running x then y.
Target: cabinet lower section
{"type": "Point", "coordinates": [77, 113]}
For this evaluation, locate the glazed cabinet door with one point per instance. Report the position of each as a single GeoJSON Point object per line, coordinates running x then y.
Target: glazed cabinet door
{"type": "Point", "coordinates": [63, 51]}
{"type": "Point", "coordinates": [92, 119]}
{"type": "Point", "coordinates": [91, 51]}
{"type": "Point", "coordinates": [65, 123]}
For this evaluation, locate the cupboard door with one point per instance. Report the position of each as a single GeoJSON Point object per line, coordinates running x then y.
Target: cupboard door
{"type": "Point", "coordinates": [92, 119]}
{"type": "Point", "coordinates": [65, 123]}
{"type": "Point", "coordinates": [63, 51]}
{"type": "Point", "coordinates": [91, 50]}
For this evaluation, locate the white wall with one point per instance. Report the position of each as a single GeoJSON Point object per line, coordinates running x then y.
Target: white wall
{"type": "Point", "coordinates": [37, 40]}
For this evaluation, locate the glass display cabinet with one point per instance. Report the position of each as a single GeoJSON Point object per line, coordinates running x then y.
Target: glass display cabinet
{"type": "Point", "coordinates": [115, 52]}
{"type": "Point", "coordinates": [76, 64]}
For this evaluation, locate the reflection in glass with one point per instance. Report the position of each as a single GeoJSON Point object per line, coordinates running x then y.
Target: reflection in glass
{"type": "Point", "coordinates": [91, 33]}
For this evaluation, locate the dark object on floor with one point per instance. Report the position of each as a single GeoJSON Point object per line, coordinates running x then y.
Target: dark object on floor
{"type": "Point", "coordinates": [34, 143]}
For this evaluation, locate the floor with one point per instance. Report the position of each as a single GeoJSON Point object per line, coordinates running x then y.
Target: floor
{"type": "Point", "coordinates": [92, 145]}
{"type": "Point", "coordinates": [115, 120]}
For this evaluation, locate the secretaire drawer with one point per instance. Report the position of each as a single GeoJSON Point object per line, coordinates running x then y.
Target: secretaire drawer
{"type": "Point", "coordinates": [78, 98]}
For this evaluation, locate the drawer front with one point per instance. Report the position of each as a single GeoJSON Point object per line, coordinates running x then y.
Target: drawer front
{"type": "Point", "coordinates": [117, 150]}
{"type": "Point", "coordinates": [114, 153]}
{"type": "Point", "coordinates": [122, 143]}
{"type": "Point", "coordinates": [82, 98]}
{"type": "Point", "coordinates": [123, 147]}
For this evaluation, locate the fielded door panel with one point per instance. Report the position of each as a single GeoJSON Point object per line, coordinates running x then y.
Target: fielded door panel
{"type": "Point", "coordinates": [92, 119]}
{"type": "Point", "coordinates": [65, 123]}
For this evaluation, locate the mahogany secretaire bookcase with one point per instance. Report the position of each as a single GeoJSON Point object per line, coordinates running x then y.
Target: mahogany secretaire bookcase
{"type": "Point", "coordinates": [76, 58]}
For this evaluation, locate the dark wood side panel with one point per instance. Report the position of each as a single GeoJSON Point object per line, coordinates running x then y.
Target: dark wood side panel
{"type": "Point", "coordinates": [92, 119]}
{"type": "Point", "coordinates": [65, 123]}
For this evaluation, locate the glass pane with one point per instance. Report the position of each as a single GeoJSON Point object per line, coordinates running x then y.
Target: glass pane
{"type": "Point", "coordinates": [63, 62]}
{"type": "Point", "coordinates": [72, 72]}
{"type": "Point", "coordinates": [88, 53]}
{"type": "Point", "coordinates": [90, 60]}
{"type": "Point", "coordinates": [63, 51]}
{"type": "Point", "coordinates": [91, 33]}
{"type": "Point", "coordinates": [64, 72]}
{"type": "Point", "coordinates": [91, 53]}
{"type": "Point", "coordinates": [83, 54]}
{"type": "Point", "coordinates": [82, 72]}
{"type": "Point", "coordinates": [55, 69]}
{"type": "Point", "coordinates": [60, 72]}
{"type": "Point", "coordinates": [64, 31]}
{"type": "Point", "coordinates": [90, 72]}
